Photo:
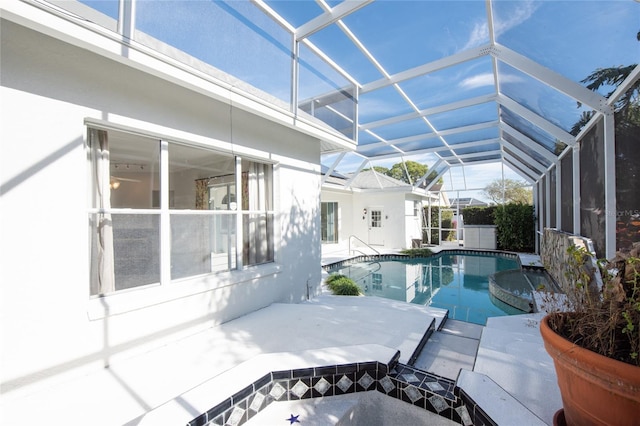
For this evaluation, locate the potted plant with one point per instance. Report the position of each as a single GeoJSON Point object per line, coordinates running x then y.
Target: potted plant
{"type": "Point", "coordinates": [593, 336]}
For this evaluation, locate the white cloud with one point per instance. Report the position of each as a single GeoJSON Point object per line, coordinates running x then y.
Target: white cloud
{"type": "Point", "coordinates": [480, 33]}
{"type": "Point", "coordinates": [475, 81]}
{"type": "Point", "coordinates": [522, 12]}
{"type": "Point", "coordinates": [486, 79]}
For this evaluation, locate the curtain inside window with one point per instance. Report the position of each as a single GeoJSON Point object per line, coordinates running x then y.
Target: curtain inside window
{"type": "Point", "coordinates": [257, 195]}
{"type": "Point", "coordinates": [102, 265]}
{"type": "Point", "coordinates": [202, 194]}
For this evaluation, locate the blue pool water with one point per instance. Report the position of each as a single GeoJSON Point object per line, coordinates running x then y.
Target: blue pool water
{"type": "Point", "coordinates": [455, 282]}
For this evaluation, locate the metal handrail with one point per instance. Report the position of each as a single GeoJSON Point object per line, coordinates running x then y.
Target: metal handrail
{"type": "Point", "coordinates": [353, 236]}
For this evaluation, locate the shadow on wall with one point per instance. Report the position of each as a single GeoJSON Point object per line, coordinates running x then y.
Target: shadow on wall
{"type": "Point", "coordinates": [300, 247]}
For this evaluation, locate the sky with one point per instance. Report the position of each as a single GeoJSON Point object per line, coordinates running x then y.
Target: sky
{"type": "Point", "coordinates": [570, 38]}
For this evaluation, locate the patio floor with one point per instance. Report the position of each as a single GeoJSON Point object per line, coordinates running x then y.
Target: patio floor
{"type": "Point", "coordinates": [506, 357]}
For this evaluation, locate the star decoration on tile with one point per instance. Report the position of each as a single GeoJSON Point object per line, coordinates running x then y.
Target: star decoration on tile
{"type": "Point", "coordinates": [293, 419]}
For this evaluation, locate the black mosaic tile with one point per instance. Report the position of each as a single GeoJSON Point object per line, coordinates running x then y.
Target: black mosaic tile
{"type": "Point", "coordinates": [261, 382]}
{"type": "Point", "coordinates": [394, 360]}
{"type": "Point", "coordinates": [322, 386]}
{"type": "Point", "coordinates": [414, 386]}
{"type": "Point", "coordinates": [219, 409]}
{"type": "Point", "coordinates": [477, 414]}
{"type": "Point", "coordinates": [278, 390]}
{"type": "Point", "coordinates": [299, 389]}
{"type": "Point", "coordinates": [346, 368]}
{"type": "Point", "coordinates": [201, 420]}
{"type": "Point", "coordinates": [303, 372]}
{"type": "Point", "coordinates": [279, 375]}
{"type": "Point", "coordinates": [344, 383]}
{"type": "Point", "coordinates": [367, 366]}
{"type": "Point", "coordinates": [383, 369]}
{"type": "Point", "coordinates": [242, 394]}
{"type": "Point", "coordinates": [324, 371]}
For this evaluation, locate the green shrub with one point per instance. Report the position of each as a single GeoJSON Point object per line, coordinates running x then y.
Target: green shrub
{"type": "Point", "coordinates": [479, 215]}
{"type": "Point", "coordinates": [417, 252]}
{"type": "Point", "coordinates": [342, 285]}
{"type": "Point", "coordinates": [515, 227]}
{"type": "Point", "coordinates": [334, 277]}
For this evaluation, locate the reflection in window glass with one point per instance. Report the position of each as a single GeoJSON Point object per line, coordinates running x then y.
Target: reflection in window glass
{"type": "Point", "coordinates": [257, 217]}
{"type": "Point", "coordinates": [329, 222]}
{"type": "Point", "coordinates": [235, 37]}
{"type": "Point", "coordinates": [135, 171]}
{"type": "Point", "coordinates": [199, 200]}
{"type": "Point", "coordinates": [201, 244]}
{"type": "Point", "coordinates": [200, 179]}
{"type": "Point", "coordinates": [325, 94]}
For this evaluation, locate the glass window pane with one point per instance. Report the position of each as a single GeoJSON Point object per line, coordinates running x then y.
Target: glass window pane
{"type": "Point", "coordinates": [136, 248]}
{"type": "Point", "coordinates": [592, 35]}
{"type": "Point", "coordinates": [382, 26]}
{"type": "Point", "coordinates": [528, 129]}
{"type": "Point", "coordinates": [200, 179]}
{"type": "Point", "coordinates": [540, 98]}
{"type": "Point", "coordinates": [257, 237]}
{"type": "Point", "coordinates": [234, 37]}
{"type": "Point", "coordinates": [325, 94]}
{"type": "Point", "coordinates": [101, 12]}
{"type": "Point", "coordinates": [482, 113]}
{"type": "Point", "coordinates": [202, 243]}
{"type": "Point", "coordinates": [416, 126]}
{"type": "Point", "coordinates": [455, 83]}
{"type": "Point", "coordinates": [134, 170]}
{"type": "Point", "coordinates": [329, 222]}
{"type": "Point", "coordinates": [257, 186]}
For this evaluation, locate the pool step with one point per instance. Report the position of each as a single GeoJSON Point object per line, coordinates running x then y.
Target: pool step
{"type": "Point", "coordinates": [452, 348]}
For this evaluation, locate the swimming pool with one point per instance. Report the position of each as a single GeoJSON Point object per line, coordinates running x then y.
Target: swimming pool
{"type": "Point", "coordinates": [457, 282]}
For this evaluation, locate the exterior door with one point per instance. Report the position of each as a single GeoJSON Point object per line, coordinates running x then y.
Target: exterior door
{"type": "Point", "coordinates": [376, 233]}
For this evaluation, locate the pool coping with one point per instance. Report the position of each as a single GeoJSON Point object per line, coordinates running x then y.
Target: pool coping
{"type": "Point", "coordinates": [402, 256]}
{"type": "Point", "coordinates": [241, 393]}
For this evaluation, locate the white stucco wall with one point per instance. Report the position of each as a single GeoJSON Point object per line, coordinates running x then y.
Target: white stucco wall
{"type": "Point", "coordinates": [392, 204]}
{"type": "Point", "coordinates": [399, 225]}
{"type": "Point", "coordinates": [345, 220]}
{"type": "Point", "coordinates": [50, 326]}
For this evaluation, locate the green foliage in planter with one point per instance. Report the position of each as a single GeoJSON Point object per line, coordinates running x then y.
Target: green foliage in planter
{"type": "Point", "coordinates": [342, 285]}
{"type": "Point", "coordinates": [479, 215]}
{"type": "Point", "coordinates": [418, 252]}
{"type": "Point", "coordinates": [515, 227]}
{"type": "Point", "coordinates": [606, 320]}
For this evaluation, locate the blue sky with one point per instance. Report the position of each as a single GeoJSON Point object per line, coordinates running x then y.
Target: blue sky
{"type": "Point", "coordinates": [572, 38]}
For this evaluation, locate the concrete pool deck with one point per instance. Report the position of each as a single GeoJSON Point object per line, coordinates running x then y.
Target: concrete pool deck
{"type": "Point", "coordinates": [503, 366]}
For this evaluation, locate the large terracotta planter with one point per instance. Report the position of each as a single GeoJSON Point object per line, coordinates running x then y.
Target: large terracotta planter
{"type": "Point", "coordinates": [595, 390]}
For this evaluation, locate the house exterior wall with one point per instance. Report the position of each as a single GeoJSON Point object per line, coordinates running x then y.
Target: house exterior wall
{"type": "Point", "coordinates": [394, 217]}
{"type": "Point", "coordinates": [51, 327]}
{"type": "Point", "coordinates": [399, 225]}
{"type": "Point", "coordinates": [346, 220]}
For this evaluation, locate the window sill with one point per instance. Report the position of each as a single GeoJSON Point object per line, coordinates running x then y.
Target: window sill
{"type": "Point", "coordinates": [144, 297]}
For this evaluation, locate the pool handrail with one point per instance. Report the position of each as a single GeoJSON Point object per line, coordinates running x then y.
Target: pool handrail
{"type": "Point", "coordinates": [353, 236]}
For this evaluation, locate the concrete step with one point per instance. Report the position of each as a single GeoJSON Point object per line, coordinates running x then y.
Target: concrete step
{"type": "Point", "coordinates": [496, 402]}
{"type": "Point", "coordinates": [451, 349]}
{"type": "Point", "coordinates": [511, 353]}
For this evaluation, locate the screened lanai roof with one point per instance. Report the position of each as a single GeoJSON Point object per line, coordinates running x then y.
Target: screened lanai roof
{"type": "Point", "coordinates": [450, 84]}
{"type": "Point", "coordinates": [457, 83]}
